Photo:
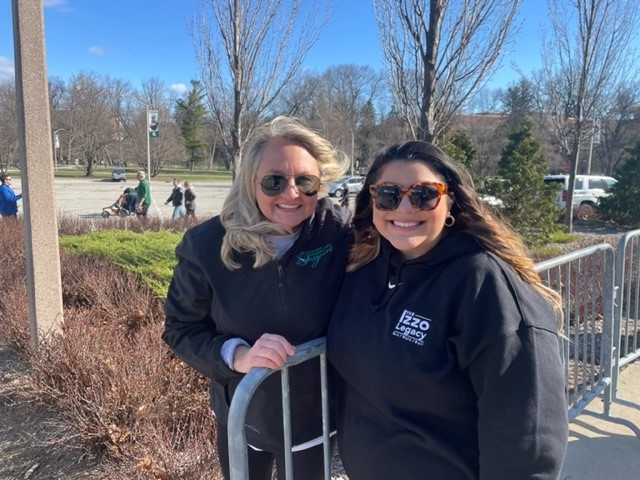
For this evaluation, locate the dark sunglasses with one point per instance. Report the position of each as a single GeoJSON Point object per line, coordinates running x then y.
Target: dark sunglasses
{"type": "Point", "coordinates": [422, 195]}
{"type": "Point", "coordinates": [273, 185]}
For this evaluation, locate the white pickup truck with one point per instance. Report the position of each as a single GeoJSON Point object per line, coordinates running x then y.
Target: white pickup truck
{"type": "Point", "coordinates": [588, 191]}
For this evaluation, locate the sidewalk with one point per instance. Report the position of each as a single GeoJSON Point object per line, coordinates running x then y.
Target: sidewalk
{"type": "Point", "coordinates": [600, 449]}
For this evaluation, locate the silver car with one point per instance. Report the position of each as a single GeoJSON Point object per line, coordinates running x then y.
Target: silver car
{"type": "Point", "coordinates": [118, 175]}
{"type": "Point", "coordinates": [353, 183]}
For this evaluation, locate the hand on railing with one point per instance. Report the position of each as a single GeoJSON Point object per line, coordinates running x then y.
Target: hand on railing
{"type": "Point", "coordinates": [269, 351]}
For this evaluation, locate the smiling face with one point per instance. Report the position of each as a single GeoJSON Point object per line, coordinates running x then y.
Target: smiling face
{"type": "Point", "coordinates": [413, 232]}
{"type": "Point", "coordinates": [290, 207]}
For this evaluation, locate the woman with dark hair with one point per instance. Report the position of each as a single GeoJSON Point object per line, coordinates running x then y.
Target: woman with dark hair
{"type": "Point", "coordinates": [444, 337]}
{"type": "Point", "coordinates": [259, 279]}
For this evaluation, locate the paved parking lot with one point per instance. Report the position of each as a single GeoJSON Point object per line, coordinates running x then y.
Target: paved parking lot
{"type": "Point", "coordinates": [87, 197]}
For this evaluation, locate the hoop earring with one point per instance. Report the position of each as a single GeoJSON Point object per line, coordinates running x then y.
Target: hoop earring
{"type": "Point", "coordinates": [450, 220]}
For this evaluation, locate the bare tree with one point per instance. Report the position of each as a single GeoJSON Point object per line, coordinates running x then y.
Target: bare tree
{"type": "Point", "coordinates": [8, 126]}
{"type": "Point", "coordinates": [246, 53]}
{"type": "Point", "coordinates": [89, 121]}
{"type": "Point", "coordinates": [439, 52]}
{"type": "Point", "coordinates": [619, 127]}
{"type": "Point", "coordinates": [348, 90]}
{"type": "Point", "coordinates": [587, 56]}
{"type": "Point", "coordinates": [298, 97]}
{"type": "Point", "coordinates": [489, 141]}
{"type": "Point", "coordinates": [130, 109]}
{"type": "Point", "coordinates": [339, 103]}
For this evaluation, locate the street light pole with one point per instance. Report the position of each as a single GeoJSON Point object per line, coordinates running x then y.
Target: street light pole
{"type": "Point", "coordinates": [352, 150]}
{"type": "Point", "coordinates": [56, 146]}
{"type": "Point", "coordinates": [595, 138]}
{"type": "Point", "coordinates": [148, 144]}
{"type": "Point", "coordinates": [146, 128]}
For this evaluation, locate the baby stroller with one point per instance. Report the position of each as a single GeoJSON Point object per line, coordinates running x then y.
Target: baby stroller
{"type": "Point", "coordinates": [121, 206]}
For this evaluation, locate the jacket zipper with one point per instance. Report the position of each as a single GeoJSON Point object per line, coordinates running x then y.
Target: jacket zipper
{"type": "Point", "coordinates": [280, 276]}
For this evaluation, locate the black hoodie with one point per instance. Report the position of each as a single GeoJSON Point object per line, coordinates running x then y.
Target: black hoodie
{"type": "Point", "coordinates": [208, 304]}
{"type": "Point", "coordinates": [449, 368]}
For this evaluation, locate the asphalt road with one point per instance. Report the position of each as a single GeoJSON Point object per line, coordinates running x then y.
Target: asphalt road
{"type": "Point", "coordinates": [86, 198]}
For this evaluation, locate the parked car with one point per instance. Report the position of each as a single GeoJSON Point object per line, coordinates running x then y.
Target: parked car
{"type": "Point", "coordinates": [587, 192]}
{"type": "Point", "coordinates": [339, 187]}
{"type": "Point", "coordinates": [118, 175]}
{"type": "Point", "coordinates": [491, 200]}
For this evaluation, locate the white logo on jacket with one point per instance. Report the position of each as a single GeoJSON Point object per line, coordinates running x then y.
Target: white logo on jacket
{"type": "Point", "coordinates": [412, 328]}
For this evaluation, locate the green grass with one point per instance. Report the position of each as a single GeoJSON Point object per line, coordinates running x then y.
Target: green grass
{"type": "Point", "coordinates": [148, 254]}
{"type": "Point", "coordinates": [166, 175]}
{"type": "Point", "coordinates": [546, 251]}
{"type": "Point", "coordinates": [562, 237]}
{"type": "Point", "coordinates": [551, 248]}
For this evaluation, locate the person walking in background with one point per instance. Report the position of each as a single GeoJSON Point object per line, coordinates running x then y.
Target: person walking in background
{"type": "Point", "coordinates": [345, 197]}
{"type": "Point", "coordinates": [176, 198]}
{"type": "Point", "coordinates": [8, 198]}
{"type": "Point", "coordinates": [189, 199]}
{"type": "Point", "coordinates": [130, 199]}
{"type": "Point", "coordinates": [143, 192]}
{"type": "Point", "coordinates": [250, 304]}
{"type": "Point", "coordinates": [456, 372]}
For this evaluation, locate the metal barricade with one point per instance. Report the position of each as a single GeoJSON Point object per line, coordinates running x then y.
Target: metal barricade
{"type": "Point", "coordinates": [627, 307]}
{"type": "Point", "coordinates": [599, 336]}
{"type": "Point", "coordinates": [588, 281]}
{"type": "Point", "coordinates": [238, 457]}
{"type": "Point", "coordinates": [585, 281]}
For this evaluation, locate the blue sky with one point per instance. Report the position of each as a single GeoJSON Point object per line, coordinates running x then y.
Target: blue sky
{"type": "Point", "coordinates": [135, 40]}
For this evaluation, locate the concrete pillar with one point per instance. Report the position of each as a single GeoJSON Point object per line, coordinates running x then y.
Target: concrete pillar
{"type": "Point", "coordinates": [44, 287]}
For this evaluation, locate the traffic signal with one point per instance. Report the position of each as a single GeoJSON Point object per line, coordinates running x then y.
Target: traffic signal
{"type": "Point", "coordinates": [152, 122]}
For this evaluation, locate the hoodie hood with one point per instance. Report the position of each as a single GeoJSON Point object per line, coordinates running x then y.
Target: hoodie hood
{"type": "Point", "coordinates": [452, 246]}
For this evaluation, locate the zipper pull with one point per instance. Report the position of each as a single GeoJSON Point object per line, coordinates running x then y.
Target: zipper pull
{"type": "Point", "coordinates": [280, 275]}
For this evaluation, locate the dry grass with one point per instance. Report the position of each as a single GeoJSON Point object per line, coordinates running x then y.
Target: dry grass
{"type": "Point", "coordinates": [120, 391]}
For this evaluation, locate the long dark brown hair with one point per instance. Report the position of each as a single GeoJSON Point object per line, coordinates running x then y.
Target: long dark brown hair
{"type": "Point", "coordinates": [472, 216]}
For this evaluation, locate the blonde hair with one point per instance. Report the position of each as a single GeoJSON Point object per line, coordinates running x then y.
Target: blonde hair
{"type": "Point", "coordinates": [472, 217]}
{"type": "Point", "coordinates": [245, 225]}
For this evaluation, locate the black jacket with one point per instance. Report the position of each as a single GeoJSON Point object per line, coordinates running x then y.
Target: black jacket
{"type": "Point", "coordinates": [449, 368]}
{"type": "Point", "coordinates": [176, 196]}
{"type": "Point", "coordinates": [189, 199]}
{"type": "Point", "coordinates": [208, 304]}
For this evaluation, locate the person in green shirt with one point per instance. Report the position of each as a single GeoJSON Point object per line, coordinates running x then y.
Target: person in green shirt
{"type": "Point", "coordinates": [144, 196]}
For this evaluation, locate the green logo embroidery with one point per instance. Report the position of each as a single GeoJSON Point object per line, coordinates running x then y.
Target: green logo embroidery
{"type": "Point", "coordinates": [313, 257]}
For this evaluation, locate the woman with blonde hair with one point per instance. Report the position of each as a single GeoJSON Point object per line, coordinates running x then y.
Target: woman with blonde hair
{"type": "Point", "coordinates": [189, 199]}
{"type": "Point", "coordinates": [259, 279]}
{"type": "Point", "coordinates": [456, 372]}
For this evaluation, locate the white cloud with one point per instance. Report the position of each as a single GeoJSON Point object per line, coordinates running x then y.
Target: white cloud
{"type": "Point", "coordinates": [96, 50]}
{"type": "Point", "coordinates": [7, 70]}
{"type": "Point", "coordinates": [55, 3]}
{"type": "Point", "coordinates": [179, 88]}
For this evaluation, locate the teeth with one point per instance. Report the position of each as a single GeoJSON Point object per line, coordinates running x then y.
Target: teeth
{"type": "Point", "coordinates": [405, 224]}
{"type": "Point", "coordinates": [280, 205]}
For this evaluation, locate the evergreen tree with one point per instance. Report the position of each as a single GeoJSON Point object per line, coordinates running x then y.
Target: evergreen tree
{"type": "Point", "coordinates": [519, 103]}
{"type": "Point", "coordinates": [621, 206]}
{"type": "Point", "coordinates": [190, 115]}
{"type": "Point", "coordinates": [367, 138]}
{"type": "Point", "coordinates": [460, 147]}
{"type": "Point", "coordinates": [527, 203]}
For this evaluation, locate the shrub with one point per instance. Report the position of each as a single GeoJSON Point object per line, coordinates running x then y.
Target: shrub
{"type": "Point", "coordinates": [621, 206]}
{"type": "Point", "coordinates": [527, 204]}
{"type": "Point", "coordinates": [149, 254]}
{"type": "Point", "coordinates": [118, 387]}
